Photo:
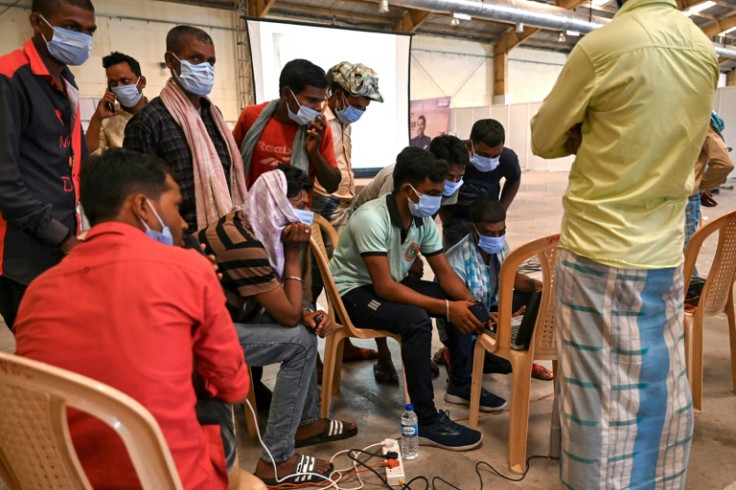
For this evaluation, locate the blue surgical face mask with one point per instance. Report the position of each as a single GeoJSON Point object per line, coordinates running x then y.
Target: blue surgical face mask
{"type": "Point", "coordinates": [490, 244]}
{"type": "Point", "coordinates": [128, 95]}
{"type": "Point", "coordinates": [305, 115]}
{"type": "Point", "coordinates": [350, 114]}
{"type": "Point", "coordinates": [427, 205]}
{"type": "Point", "coordinates": [305, 216]}
{"type": "Point", "coordinates": [451, 187]}
{"type": "Point", "coordinates": [67, 46]}
{"type": "Point", "coordinates": [484, 164]}
{"type": "Point", "coordinates": [196, 79]}
{"type": "Point", "coordinates": [164, 236]}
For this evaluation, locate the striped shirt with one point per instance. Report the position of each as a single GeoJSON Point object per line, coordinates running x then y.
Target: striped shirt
{"type": "Point", "coordinates": [243, 262]}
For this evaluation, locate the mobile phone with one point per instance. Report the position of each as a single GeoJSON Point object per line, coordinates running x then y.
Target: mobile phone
{"type": "Point", "coordinates": [110, 107]}
{"type": "Point", "coordinates": [318, 319]}
{"type": "Point", "coordinates": [480, 312]}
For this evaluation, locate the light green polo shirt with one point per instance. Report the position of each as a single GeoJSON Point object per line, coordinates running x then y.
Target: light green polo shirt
{"type": "Point", "coordinates": [642, 88]}
{"type": "Point", "coordinates": [375, 229]}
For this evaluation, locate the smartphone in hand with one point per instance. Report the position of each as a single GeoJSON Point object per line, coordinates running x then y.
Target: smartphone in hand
{"type": "Point", "coordinates": [480, 312]}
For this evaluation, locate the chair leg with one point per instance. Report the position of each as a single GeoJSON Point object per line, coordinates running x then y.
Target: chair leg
{"type": "Point", "coordinates": [328, 372]}
{"type": "Point", "coordinates": [251, 423]}
{"type": "Point", "coordinates": [521, 379]}
{"type": "Point", "coordinates": [555, 369]}
{"type": "Point", "coordinates": [696, 352]}
{"type": "Point", "coordinates": [337, 376]}
{"type": "Point", "coordinates": [732, 338]}
{"type": "Point", "coordinates": [479, 353]}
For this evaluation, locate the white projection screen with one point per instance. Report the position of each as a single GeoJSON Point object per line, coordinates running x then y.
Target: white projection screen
{"type": "Point", "coordinates": [384, 129]}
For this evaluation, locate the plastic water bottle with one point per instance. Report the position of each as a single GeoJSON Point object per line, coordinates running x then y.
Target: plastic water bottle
{"type": "Point", "coordinates": [409, 433]}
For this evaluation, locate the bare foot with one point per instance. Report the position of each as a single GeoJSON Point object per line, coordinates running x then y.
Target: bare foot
{"type": "Point", "coordinates": [264, 469]}
{"type": "Point", "coordinates": [315, 428]}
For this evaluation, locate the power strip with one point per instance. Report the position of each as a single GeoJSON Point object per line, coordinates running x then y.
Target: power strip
{"type": "Point", "coordinates": [394, 476]}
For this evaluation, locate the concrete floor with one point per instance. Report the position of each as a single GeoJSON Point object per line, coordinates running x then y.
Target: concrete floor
{"type": "Point", "coordinates": [377, 409]}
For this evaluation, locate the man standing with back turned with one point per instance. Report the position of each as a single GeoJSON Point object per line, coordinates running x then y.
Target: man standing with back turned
{"type": "Point", "coordinates": [633, 102]}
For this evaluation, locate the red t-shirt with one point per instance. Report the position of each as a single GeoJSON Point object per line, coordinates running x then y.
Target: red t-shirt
{"type": "Point", "coordinates": [274, 145]}
{"type": "Point", "coordinates": [136, 315]}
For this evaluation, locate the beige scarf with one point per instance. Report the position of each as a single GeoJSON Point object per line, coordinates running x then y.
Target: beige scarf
{"type": "Point", "coordinates": [212, 197]}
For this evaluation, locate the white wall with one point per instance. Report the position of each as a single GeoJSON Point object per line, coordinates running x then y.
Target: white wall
{"type": "Point", "coordinates": [463, 70]}
{"type": "Point", "coordinates": [138, 28]}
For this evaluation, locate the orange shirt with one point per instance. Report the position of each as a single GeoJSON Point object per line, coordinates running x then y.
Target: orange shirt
{"type": "Point", "coordinates": [274, 145]}
{"type": "Point", "coordinates": [136, 314]}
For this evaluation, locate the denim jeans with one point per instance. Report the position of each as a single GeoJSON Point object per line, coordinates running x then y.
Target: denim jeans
{"type": "Point", "coordinates": [295, 398]}
{"type": "Point", "coordinates": [367, 310]}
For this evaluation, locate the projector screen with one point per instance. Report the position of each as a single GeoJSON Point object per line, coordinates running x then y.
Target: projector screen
{"type": "Point", "coordinates": [383, 130]}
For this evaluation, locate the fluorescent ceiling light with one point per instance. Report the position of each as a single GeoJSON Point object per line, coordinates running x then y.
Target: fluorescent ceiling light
{"type": "Point", "coordinates": [728, 30]}
{"type": "Point", "coordinates": [695, 9]}
{"type": "Point", "coordinates": [572, 33]}
{"type": "Point", "coordinates": [460, 16]}
{"type": "Point", "coordinates": [599, 3]}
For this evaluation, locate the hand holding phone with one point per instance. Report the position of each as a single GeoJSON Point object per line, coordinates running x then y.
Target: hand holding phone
{"type": "Point", "coordinates": [479, 310]}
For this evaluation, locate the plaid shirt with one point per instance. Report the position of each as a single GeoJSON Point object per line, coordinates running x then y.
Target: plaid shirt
{"type": "Point", "coordinates": [155, 132]}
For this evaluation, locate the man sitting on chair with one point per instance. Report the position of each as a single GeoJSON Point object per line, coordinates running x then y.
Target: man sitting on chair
{"type": "Point", "coordinates": [259, 250]}
{"type": "Point", "coordinates": [127, 308]}
{"type": "Point", "coordinates": [370, 267]}
{"type": "Point", "coordinates": [477, 260]}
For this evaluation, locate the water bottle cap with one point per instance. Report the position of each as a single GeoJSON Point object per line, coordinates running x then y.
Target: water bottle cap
{"type": "Point", "coordinates": [409, 407]}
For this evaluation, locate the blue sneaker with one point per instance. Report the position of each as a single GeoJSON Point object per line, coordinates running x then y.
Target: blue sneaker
{"type": "Point", "coordinates": [447, 434]}
{"type": "Point", "coordinates": [460, 395]}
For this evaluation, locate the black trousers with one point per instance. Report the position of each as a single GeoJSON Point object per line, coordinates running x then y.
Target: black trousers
{"type": "Point", "coordinates": [367, 310]}
{"type": "Point", "coordinates": [11, 293]}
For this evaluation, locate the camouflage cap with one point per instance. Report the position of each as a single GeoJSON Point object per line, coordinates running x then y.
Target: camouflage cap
{"type": "Point", "coordinates": [356, 79]}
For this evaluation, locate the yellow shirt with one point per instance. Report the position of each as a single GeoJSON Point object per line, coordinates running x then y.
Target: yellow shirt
{"type": "Point", "coordinates": [112, 131]}
{"type": "Point", "coordinates": [642, 88]}
{"type": "Point", "coordinates": [343, 150]}
{"type": "Point", "coordinates": [715, 156]}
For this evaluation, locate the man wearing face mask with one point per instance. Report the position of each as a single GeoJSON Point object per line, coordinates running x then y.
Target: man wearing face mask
{"type": "Point", "coordinates": [490, 161]}
{"type": "Point", "coordinates": [125, 84]}
{"type": "Point", "coordinates": [290, 130]}
{"type": "Point", "coordinates": [370, 267]}
{"type": "Point", "coordinates": [477, 260]}
{"type": "Point", "coordinates": [153, 323]}
{"type": "Point", "coordinates": [42, 145]}
{"type": "Point", "coordinates": [625, 406]}
{"type": "Point", "coordinates": [259, 249]}
{"type": "Point", "coordinates": [184, 128]}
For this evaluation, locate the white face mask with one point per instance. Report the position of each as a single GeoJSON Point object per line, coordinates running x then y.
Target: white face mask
{"type": "Point", "coordinates": [67, 46]}
{"type": "Point", "coordinates": [305, 115]}
{"type": "Point", "coordinates": [196, 79]}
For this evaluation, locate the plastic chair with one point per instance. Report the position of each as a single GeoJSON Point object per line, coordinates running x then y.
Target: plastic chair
{"type": "Point", "coordinates": [716, 298]}
{"type": "Point", "coordinates": [36, 449]}
{"type": "Point", "coordinates": [342, 326]}
{"type": "Point", "coordinates": [251, 423]}
{"type": "Point", "coordinates": [542, 345]}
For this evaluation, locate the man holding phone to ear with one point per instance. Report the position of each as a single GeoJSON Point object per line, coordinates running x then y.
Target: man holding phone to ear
{"type": "Point", "coordinates": [125, 84]}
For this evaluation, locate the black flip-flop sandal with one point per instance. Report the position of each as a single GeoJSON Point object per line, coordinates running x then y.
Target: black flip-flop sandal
{"type": "Point", "coordinates": [305, 471]}
{"type": "Point", "coordinates": [334, 431]}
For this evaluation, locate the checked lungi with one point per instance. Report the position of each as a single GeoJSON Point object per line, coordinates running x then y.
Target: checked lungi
{"type": "Point", "coordinates": [624, 400]}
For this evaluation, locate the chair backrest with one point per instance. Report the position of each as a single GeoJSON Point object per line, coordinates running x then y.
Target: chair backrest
{"type": "Point", "coordinates": [36, 450]}
{"type": "Point", "coordinates": [545, 250]}
{"type": "Point", "coordinates": [718, 286]}
{"type": "Point", "coordinates": [337, 312]}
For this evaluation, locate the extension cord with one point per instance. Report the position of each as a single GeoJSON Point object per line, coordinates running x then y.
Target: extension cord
{"type": "Point", "coordinates": [394, 476]}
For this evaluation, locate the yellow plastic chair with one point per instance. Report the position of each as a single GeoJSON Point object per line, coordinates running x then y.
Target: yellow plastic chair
{"type": "Point", "coordinates": [342, 326]}
{"type": "Point", "coordinates": [542, 345]}
{"type": "Point", "coordinates": [716, 298]}
{"type": "Point", "coordinates": [36, 450]}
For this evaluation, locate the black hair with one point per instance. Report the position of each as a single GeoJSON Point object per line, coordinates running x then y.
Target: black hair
{"type": "Point", "coordinates": [109, 179]}
{"type": "Point", "coordinates": [486, 209]}
{"type": "Point", "coordinates": [488, 131]}
{"type": "Point", "coordinates": [176, 36]}
{"type": "Point", "coordinates": [299, 73]}
{"type": "Point", "coordinates": [116, 57]}
{"type": "Point", "coordinates": [450, 149]}
{"type": "Point", "coordinates": [296, 180]}
{"type": "Point", "coordinates": [49, 7]}
{"type": "Point", "coordinates": [422, 118]}
{"type": "Point", "coordinates": [414, 165]}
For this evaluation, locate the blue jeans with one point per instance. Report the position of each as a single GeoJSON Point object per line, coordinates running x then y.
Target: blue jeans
{"type": "Point", "coordinates": [295, 399]}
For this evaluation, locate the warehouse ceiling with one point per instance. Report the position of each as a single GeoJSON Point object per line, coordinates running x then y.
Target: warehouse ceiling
{"type": "Point", "coordinates": [717, 18]}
